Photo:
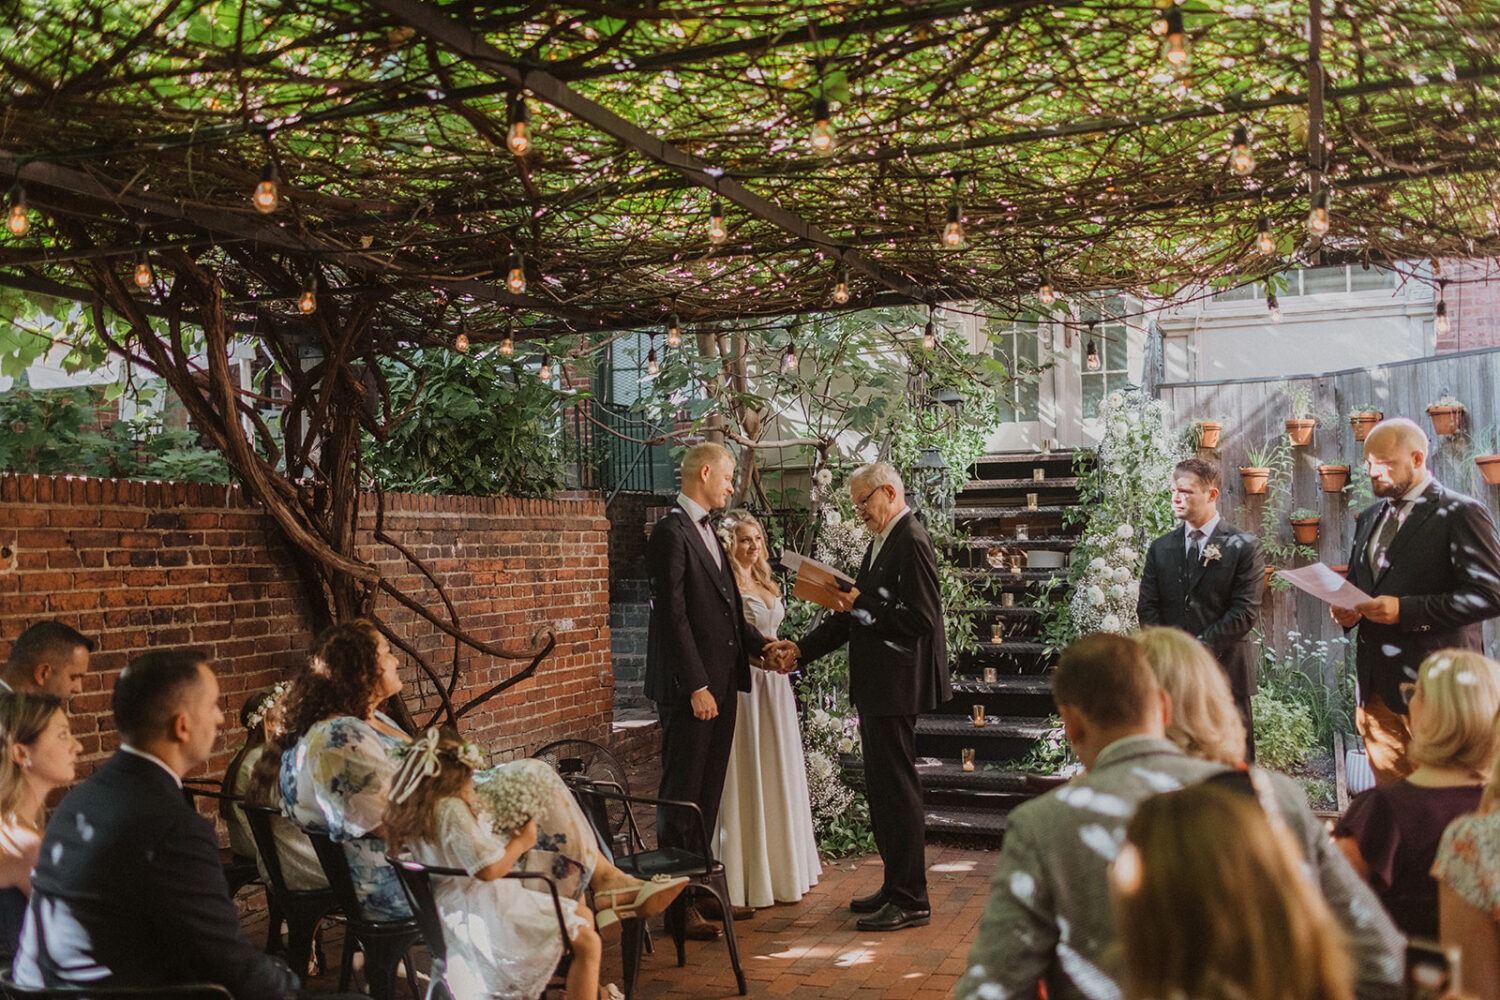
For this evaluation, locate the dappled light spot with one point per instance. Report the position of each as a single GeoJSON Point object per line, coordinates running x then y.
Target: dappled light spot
{"type": "Point", "coordinates": [954, 866]}
{"type": "Point", "coordinates": [1441, 665]}
{"type": "Point", "coordinates": [1101, 840]}
{"type": "Point", "coordinates": [1390, 649]}
{"type": "Point", "coordinates": [1159, 782]}
{"type": "Point", "coordinates": [992, 991]}
{"type": "Point", "coordinates": [1091, 981]}
{"type": "Point", "coordinates": [1023, 886]}
{"type": "Point", "coordinates": [85, 828]}
{"type": "Point", "coordinates": [1087, 798]}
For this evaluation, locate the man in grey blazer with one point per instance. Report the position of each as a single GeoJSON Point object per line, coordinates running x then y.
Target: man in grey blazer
{"type": "Point", "coordinates": [1048, 919]}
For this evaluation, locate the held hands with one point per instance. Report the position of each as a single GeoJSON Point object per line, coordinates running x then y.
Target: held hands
{"type": "Point", "coordinates": [781, 655]}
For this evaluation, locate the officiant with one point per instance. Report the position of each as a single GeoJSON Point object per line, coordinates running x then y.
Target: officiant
{"type": "Point", "coordinates": [1206, 578]}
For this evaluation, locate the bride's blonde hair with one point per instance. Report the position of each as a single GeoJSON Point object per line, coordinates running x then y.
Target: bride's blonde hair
{"type": "Point", "coordinates": [760, 570]}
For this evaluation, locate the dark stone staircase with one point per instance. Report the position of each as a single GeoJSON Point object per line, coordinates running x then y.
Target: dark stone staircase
{"type": "Point", "coordinates": [1018, 702]}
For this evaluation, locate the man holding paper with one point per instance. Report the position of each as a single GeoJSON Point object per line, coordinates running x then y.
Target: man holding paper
{"type": "Point", "coordinates": [892, 620]}
{"type": "Point", "coordinates": [1429, 558]}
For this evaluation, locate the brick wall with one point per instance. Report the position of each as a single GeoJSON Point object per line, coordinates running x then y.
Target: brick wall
{"type": "Point", "coordinates": [141, 564]}
{"type": "Point", "coordinates": [1473, 297]}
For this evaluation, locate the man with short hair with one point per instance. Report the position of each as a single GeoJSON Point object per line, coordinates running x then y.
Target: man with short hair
{"type": "Point", "coordinates": [1048, 919]}
{"type": "Point", "coordinates": [1207, 580]}
{"type": "Point", "coordinates": [50, 657]}
{"type": "Point", "coordinates": [129, 890]}
{"type": "Point", "coordinates": [892, 621]}
{"type": "Point", "coordinates": [1429, 558]}
{"type": "Point", "coordinates": [698, 649]}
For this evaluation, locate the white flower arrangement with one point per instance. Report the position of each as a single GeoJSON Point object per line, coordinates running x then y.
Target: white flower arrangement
{"type": "Point", "coordinates": [824, 737]}
{"type": "Point", "coordinates": [516, 793]}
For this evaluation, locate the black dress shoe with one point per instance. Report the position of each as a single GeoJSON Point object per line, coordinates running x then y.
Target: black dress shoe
{"type": "Point", "coordinates": [891, 917]}
{"type": "Point", "coordinates": [868, 904]}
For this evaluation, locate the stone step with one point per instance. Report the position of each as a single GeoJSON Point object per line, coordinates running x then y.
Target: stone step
{"type": "Point", "coordinates": [1006, 512]}
{"type": "Point", "coordinates": [1002, 737]}
{"type": "Point", "coordinates": [966, 820]}
{"type": "Point", "coordinates": [1023, 485]}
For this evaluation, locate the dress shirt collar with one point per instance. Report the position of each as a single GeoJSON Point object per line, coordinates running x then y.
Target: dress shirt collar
{"type": "Point", "coordinates": [885, 532]}
{"type": "Point", "coordinates": [1208, 529]}
{"type": "Point", "coordinates": [1415, 493]}
{"type": "Point", "coordinates": [1127, 747]}
{"type": "Point", "coordinates": [692, 509]}
{"type": "Point", "coordinates": [127, 748]}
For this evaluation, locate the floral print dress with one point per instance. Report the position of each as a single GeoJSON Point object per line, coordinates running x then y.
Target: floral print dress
{"type": "Point", "coordinates": [1468, 861]}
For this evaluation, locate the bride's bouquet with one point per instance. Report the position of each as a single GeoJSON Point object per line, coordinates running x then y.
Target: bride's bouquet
{"type": "Point", "coordinates": [515, 793]}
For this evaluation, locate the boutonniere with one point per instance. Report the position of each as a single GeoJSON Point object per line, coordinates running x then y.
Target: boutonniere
{"type": "Point", "coordinates": [1211, 554]}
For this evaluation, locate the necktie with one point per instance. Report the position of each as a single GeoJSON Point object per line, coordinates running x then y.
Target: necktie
{"type": "Point", "coordinates": [1388, 528]}
{"type": "Point", "coordinates": [1195, 545]}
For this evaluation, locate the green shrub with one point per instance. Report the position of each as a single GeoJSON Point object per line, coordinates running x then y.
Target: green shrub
{"type": "Point", "coordinates": [1284, 730]}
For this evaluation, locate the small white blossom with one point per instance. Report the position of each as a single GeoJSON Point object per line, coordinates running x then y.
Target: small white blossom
{"type": "Point", "coordinates": [1096, 597]}
{"type": "Point", "coordinates": [1124, 531]}
{"type": "Point", "coordinates": [1110, 623]}
{"type": "Point", "coordinates": [823, 477]}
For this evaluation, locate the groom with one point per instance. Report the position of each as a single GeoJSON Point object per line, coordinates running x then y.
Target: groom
{"type": "Point", "coordinates": [1206, 579]}
{"type": "Point", "coordinates": [898, 668]}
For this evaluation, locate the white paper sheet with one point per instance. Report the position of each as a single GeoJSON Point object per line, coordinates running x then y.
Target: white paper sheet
{"type": "Point", "coordinates": [1324, 583]}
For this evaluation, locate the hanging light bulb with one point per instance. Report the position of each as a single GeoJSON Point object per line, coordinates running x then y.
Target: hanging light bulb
{"type": "Point", "coordinates": [461, 343]}
{"type": "Point", "coordinates": [674, 332]}
{"type": "Point", "coordinates": [515, 281]}
{"type": "Point", "coordinates": [1241, 160]}
{"type": "Point", "coordinates": [1263, 241]}
{"type": "Point", "coordinates": [789, 357]}
{"type": "Point", "coordinates": [1440, 319]}
{"type": "Point", "coordinates": [929, 337]}
{"type": "Point", "coordinates": [1175, 44]}
{"type": "Point", "coordinates": [1091, 357]}
{"type": "Point", "coordinates": [953, 232]}
{"type": "Point", "coordinates": [716, 231]}
{"type": "Point", "coordinates": [1317, 219]}
{"type": "Point", "coordinates": [16, 219]}
{"type": "Point", "coordinates": [143, 275]}
{"type": "Point", "coordinates": [545, 372]}
{"type": "Point", "coordinates": [652, 368]}
{"type": "Point", "coordinates": [516, 137]}
{"type": "Point", "coordinates": [308, 301]}
{"type": "Point", "coordinates": [267, 194]}
{"type": "Point", "coordinates": [822, 138]}
{"type": "Point", "coordinates": [841, 290]}
{"type": "Point", "coordinates": [507, 346]}
{"type": "Point", "coordinates": [1045, 295]}
{"type": "Point", "coordinates": [1273, 306]}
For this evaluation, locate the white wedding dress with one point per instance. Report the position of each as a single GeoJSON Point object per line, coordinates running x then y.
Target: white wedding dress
{"type": "Point", "coordinates": [765, 829]}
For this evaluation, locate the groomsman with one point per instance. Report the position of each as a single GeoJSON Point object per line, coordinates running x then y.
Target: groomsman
{"type": "Point", "coordinates": [1206, 578]}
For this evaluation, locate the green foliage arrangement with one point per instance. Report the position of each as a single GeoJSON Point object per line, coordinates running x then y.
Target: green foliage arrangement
{"type": "Point", "coordinates": [1275, 535]}
{"type": "Point", "coordinates": [1284, 731]}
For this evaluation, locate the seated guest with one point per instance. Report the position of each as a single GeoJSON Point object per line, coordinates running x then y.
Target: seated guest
{"type": "Point", "coordinates": [1391, 832]}
{"type": "Point", "coordinates": [1205, 720]}
{"type": "Point", "coordinates": [1207, 915]}
{"type": "Point", "coordinates": [50, 657]}
{"type": "Point", "coordinates": [129, 890]}
{"type": "Point", "coordinates": [1467, 870]}
{"type": "Point", "coordinates": [254, 775]}
{"type": "Point", "coordinates": [1046, 920]}
{"type": "Point", "coordinates": [37, 755]}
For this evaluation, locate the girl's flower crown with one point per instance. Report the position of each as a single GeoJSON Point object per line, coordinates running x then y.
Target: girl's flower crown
{"type": "Point", "coordinates": [259, 715]}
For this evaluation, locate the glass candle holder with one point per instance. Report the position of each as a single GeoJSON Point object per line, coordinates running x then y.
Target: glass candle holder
{"type": "Point", "coordinates": [968, 758]}
{"type": "Point", "coordinates": [1031, 501]}
{"type": "Point", "coordinates": [1023, 532]}
{"type": "Point", "coordinates": [1037, 475]}
{"type": "Point", "coordinates": [979, 716]}
{"type": "Point", "coordinates": [1007, 600]}
{"type": "Point", "coordinates": [1015, 565]}
{"type": "Point", "coordinates": [997, 636]}
{"type": "Point", "coordinates": [991, 675]}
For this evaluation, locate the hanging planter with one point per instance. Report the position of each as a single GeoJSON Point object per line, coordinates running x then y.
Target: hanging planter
{"type": "Point", "coordinates": [1333, 478]}
{"type": "Point", "coordinates": [1361, 421]}
{"type": "Point", "coordinates": [1489, 468]}
{"type": "Point", "coordinates": [1305, 526]}
{"type": "Point", "coordinates": [1208, 433]}
{"type": "Point", "coordinates": [1446, 415]}
{"type": "Point", "coordinates": [1299, 431]}
{"type": "Point", "coordinates": [1255, 479]}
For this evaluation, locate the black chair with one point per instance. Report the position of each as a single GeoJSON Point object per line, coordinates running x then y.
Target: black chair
{"type": "Point", "coordinates": [704, 872]}
{"type": "Point", "coordinates": [416, 879]}
{"type": "Point", "coordinates": [386, 944]}
{"type": "Point", "coordinates": [239, 871]}
{"type": "Point", "coordinates": [302, 910]}
{"type": "Point", "coordinates": [189, 991]}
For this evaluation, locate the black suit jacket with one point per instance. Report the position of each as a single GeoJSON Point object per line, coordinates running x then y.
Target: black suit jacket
{"type": "Point", "coordinates": [698, 634]}
{"type": "Point", "coordinates": [898, 651]}
{"type": "Point", "coordinates": [1217, 600]}
{"type": "Point", "coordinates": [129, 891]}
{"type": "Point", "coordinates": [1444, 565]}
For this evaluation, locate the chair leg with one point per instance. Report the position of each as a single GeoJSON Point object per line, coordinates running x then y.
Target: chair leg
{"type": "Point", "coordinates": [676, 924]}
{"type": "Point", "coordinates": [632, 937]}
{"type": "Point", "coordinates": [299, 942]}
{"type": "Point", "coordinates": [273, 925]}
{"type": "Point", "coordinates": [411, 976]}
{"type": "Point", "coordinates": [346, 967]}
{"type": "Point", "coordinates": [721, 892]}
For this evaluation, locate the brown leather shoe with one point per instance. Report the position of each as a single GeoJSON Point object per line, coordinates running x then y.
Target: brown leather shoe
{"type": "Point", "coordinates": [697, 928]}
{"type": "Point", "coordinates": [711, 910]}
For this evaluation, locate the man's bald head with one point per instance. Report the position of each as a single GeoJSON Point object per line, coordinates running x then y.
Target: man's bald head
{"type": "Point", "coordinates": [1399, 432]}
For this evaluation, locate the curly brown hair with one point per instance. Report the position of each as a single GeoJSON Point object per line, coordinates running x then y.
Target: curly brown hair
{"type": "Point", "coordinates": [341, 678]}
{"type": "Point", "coordinates": [416, 817]}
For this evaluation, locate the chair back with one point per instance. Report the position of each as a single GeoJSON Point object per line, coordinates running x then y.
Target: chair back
{"type": "Point", "coordinates": [259, 819]}
{"type": "Point", "coordinates": [340, 880]}
{"type": "Point", "coordinates": [416, 880]}
{"type": "Point", "coordinates": [184, 991]}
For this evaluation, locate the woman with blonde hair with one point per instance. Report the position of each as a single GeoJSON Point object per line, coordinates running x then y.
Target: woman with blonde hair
{"type": "Point", "coordinates": [1390, 833]}
{"type": "Point", "coordinates": [1211, 916]}
{"type": "Point", "coordinates": [1467, 869]}
{"type": "Point", "coordinates": [1204, 720]}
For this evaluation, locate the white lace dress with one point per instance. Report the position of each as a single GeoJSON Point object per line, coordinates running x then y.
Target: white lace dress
{"type": "Point", "coordinates": [765, 830]}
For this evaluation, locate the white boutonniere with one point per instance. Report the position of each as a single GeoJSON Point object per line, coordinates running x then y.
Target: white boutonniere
{"type": "Point", "coordinates": [1211, 554]}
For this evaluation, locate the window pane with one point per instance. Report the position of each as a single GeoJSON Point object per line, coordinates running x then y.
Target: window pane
{"type": "Point", "coordinates": [1375, 277]}
{"type": "Point", "coordinates": [1325, 280]}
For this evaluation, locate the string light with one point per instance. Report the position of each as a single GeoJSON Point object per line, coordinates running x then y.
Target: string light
{"type": "Point", "coordinates": [789, 357]}
{"type": "Point", "coordinates": [461, 343]}
{"type": "Point", "coordinates": [308, 302]}
{"type": "Point", "coordinates": [1273, 306]}
{"type": "Point", "coordinates": [674, 332]}
{"type": "Point", "coordinates": [515, 281]}
{"type": "Point", "coordinates": [716, 231]}
{"type": "Point", "coordinates": [841, 290]}
{"type": "Point", "coordinates": [1440, 322]}
{"type": "Point", "coordinates": [545, 372]}
{"type": "Point", "coordinates": [953, 232]}
{"type": "Point", "coordinates": [1241, 161]}
{"type": "Point", "coordinates": [1317, 219]}
{"type": "Point", "coordinates": [267, 195]}
{"type": "Point", "coordinates": [1263, 241]}
{"type": "Point", "coordinates": [652, 368]}
{"type": "Point", "coordinates": [1091, 356]}
{"type": "Point", "coordinates": [1175, 45]}
{"type": "Point", "coordinates": [822, 138]}
{"type": "Point", "coordinates": [143, 275]}
{"type": "Point", "coordinates": [507, 346]}
{"type": "Point", "coordinates": [1045, 295]}
{"type": "Point", "coordinates": [16, 219]}
{"type": "Point", "coordinates": [516, 137]}
{"type": "Point", "coordinates": [929, 337]}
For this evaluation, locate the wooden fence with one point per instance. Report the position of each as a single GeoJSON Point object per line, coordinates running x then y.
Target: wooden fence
{"type": "Point", "coordinates": [1254, 412]}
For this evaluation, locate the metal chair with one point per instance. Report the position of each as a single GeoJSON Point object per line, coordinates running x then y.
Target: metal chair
{"type": "Point", "coordinates": [239, 871]}
{"type": "Point", "coordinates": [186, 991]}
{"type": "Point", "coordinates": [705, 873]}
{"type": "Point", "coordinates": [386, 943]}
{"type": "Point", "coordinates": [302, 910]}
{"type": "Point", "coordinates": [416, 880]}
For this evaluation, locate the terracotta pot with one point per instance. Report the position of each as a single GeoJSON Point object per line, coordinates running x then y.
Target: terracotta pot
{"type": "Point", "coordinates": [1305, 530]}
{"type": "Point", "coordinates": [1333, 478]}
{"type": "Point", "coordinates": [1445, 419]}
{"type": "Point", "coordinates": [1208, 433]}
{"type": "Point", "coordinates": [1360, 423]}
{"type": "Point", "coordinates": [1489, 467]}
{"type": "Point", "coordinates": [1255, 479]}
{"type": "Point", "coordinates": [1270, 570]}
{"type": "Point", "coordinates": [1300, 431]}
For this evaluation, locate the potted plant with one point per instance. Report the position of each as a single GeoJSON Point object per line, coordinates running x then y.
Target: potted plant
{"type": "Point", "coordinates": [1362, 418]}
{"type": "Point", "coordinates": [1257, 473]}
{"type": "Point", "coordinates": [1204, 434]}
{"type": "Point", "coordinates": [1333, 478]}
{"type": "Point", "coordinates": [1299, 427]}
{"type": "Point", "coordinates": [1304, 521]}
{"type": "Point", "coordinates": [1484, 451]}
{"type": "Point", "coordinates": [1446, 413]}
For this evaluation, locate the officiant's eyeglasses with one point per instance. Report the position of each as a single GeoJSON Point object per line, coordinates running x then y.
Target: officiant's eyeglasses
{"type": "Point", "coordinates": [861, 504]}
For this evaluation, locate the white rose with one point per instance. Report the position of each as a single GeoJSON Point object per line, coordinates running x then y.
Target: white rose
{"type": "Point", "coordinates": [1133, 589]}
{"type": "Point", "coordinates": [1095, 596]}
{"type": "Point", "coordinates": [1116, 592]}
{"type": "Point", "coordinates": [1122, 575]}
{"type": "Point", "coordinates": [1119, 427]}
{"type": "Point", "coordinates": [1097, 563]}
{"type": "Point", "coordinates": [833, 519]}
{"type": "Point", "coordinates": [823, 478]}
{"type": "Point", "coordinates": [1115, 398]}
{"type": "Point", "coordinates": [846, 745]}
{"type": "Point", "coordinates": [1110, 623]}
{"type": "Point", "coordinates": [1125, 554]}
{"type": "Point", "coordinates": [1124, 531]}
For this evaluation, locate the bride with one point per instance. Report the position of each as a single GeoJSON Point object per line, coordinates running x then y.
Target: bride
{"type": "Point", "coordinates": [764, 833]}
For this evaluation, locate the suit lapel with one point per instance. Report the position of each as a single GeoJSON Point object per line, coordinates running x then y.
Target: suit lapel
{"type": "Point", "coordinates": [1425, 506]}
{"type": "Point", "coordinates": [719, 573]}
